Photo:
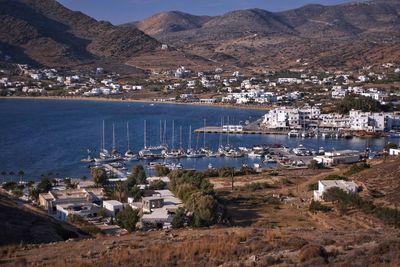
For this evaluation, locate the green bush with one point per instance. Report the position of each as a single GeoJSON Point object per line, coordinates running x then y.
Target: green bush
{"type": "Point", "coordinates": [389, 216]}
{"type": "Point", "coordinates": [315, 165]}
{"type": "Point", "coordinates": [226, 172]}
{"type": "Point", "coordinates": [317, 206]}
{"type": "Point", "coordinates": [9, 186]}
{"type": "Point", "coordinates": [390, 146]}
{"type": "Point", "coordinates": [356, 168]}
{"type": "Point", "coordinates": [179, 219]}
{"type": "Point", "coordinates": [313, 186]}
{"type": "Point", "coordinates": [128, 218]}
{"type": "Point", "coordinates": [162, 170]}
{"type": "Point", "coordinates": [256, 186]}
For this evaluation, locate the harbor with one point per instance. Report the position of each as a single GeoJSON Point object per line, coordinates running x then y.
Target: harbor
{"type": "Point", "coordinates": [81, 130]}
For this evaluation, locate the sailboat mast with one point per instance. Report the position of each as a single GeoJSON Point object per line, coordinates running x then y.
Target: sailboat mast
{"type": "Point", "coordinates": [173, 134]}
{"type": "Point", "coordinates": [165, 132]}
{"type": "Point", "coordinates": [180, 137]}
{"type": "Point", "coordinates": [127, 134]}
{"type": "Point", "coordinates": [204, 134]}
{"type": "Point", "coordinates": [104, 140]}
{"type": "Point", "coordinates": [144, 136]}
{"type": "Point", "coordinates": [161, 131]}
{"type": "Point", "coordinates": [113, 145]}
{"type": "Point", "coordinates": [190, 137]}
{"type": "Point", "coordinates": [227, 136]}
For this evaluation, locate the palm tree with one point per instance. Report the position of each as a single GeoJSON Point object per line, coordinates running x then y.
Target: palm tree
{"type": "Point", "coordinates": [119, 190]}
{"type": "Point", "coordinates": [11, 173]}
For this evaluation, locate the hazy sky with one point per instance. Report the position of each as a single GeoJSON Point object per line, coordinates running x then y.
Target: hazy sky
{"type": "Point", "coordinates": [121, 11]}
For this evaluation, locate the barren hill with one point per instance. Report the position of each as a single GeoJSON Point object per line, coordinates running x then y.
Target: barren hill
{"type": "Point", "coordinates": [347, 35]}
{"type": "Point", "coordinates": [172, 21]}
{"type": "Point", "coordinates": [43, 32]}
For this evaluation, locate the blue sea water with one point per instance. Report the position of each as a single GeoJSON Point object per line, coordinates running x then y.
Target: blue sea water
{"type": "Point", "coordinates": [52, 136]}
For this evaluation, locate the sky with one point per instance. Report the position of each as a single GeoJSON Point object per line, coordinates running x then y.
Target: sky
{"type": "Point", "coordinates": [122, 11]}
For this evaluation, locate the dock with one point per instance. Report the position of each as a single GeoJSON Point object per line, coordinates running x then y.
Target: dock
{"type": "Point", "coordinates": [114, 170]}
{"type": "Point", "coordinates": [216, 129]}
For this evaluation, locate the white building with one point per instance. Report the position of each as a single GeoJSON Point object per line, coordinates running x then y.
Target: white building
{"type": "Point", "coordinates": [112, 207]}
{"type": "Point", "coordinates": [290, 117]}
{"type": "Point", "coordinates": [232, 128]}
{"type": "Point", "coordinates": [394, 152]}
{"type": "Point", "coordinates": [324, 185]}
{"type": "Point", "coordinates": [339, 157]}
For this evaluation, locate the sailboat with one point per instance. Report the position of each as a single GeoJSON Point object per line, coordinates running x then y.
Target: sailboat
{"type": "Point", "coordinates": [146, 153]}
{"type": "Point", "coordinates": [191, 153]}
{"type": "Point", "coordinates": [104, 155]}
{"type": "Point", "coordinates": [129, 155]}
{"type": "Point", "coordinates": [172, 153]}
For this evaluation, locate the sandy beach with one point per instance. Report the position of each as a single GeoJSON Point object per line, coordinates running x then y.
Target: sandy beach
{"type": "Point", "coordinates": [151, 101]}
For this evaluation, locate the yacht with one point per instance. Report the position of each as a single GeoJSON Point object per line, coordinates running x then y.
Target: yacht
{"type": "Point", "coordinates": [293, 133]}
{"type": "Point", "coordinates": [300, 150]}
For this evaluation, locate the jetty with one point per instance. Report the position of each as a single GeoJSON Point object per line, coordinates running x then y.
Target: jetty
{"type": "Point", "coordinates": [114, 170]}
{"type": "Point", "coordinates": [216, 129]}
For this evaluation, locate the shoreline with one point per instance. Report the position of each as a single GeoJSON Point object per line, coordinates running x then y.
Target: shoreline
{"type": "Point", "coordinates": [149, 101]}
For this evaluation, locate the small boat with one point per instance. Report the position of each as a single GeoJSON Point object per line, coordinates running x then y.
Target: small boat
{"type": "Point", "coordinates": [269, 160]}
{"type": "Point", "coordinates": [300, 150]}
{"type": "Point", "coordinates": [210, 166]}
{"type": "Point", "coordinates": [293, 133]}
{"type": "Point", "coordinates": [254, 154]}
{"type": "Point", "coordinates": [321, 151]}
{"type": "Point", "coordinates": [393, 134]}
{"type": "Point", "coordinates": [233, 153]}
{"type": "Point", "coordinates": [89, 159]}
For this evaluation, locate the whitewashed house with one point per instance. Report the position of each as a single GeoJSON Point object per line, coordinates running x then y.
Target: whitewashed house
{"type": "Point", "coordinates": [112, 207]}
{"type": "Point", "coordinates": [324, 185]}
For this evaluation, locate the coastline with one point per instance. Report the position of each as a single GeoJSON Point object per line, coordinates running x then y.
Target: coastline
{"type": "Point", "coordinates": [150, 101]}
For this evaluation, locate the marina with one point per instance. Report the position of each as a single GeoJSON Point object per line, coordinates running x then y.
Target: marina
{"type": "Point", "coordinates": [81, 131]}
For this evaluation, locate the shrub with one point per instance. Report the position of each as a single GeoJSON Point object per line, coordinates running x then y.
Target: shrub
{"type": "Point", "coordinates": [162, 170]}
{"type": "Point", "coordinates": [226, 172]}
{"type": "Point", "coordinates": [335, 177]}
{"type": "Point", "coordinates": [316, 206]}
{"type": "Point", "coordinates": [9, 186]}
{"type": "Point", "coordinates": [99, 176]}
{"type": "Point", "coordinates": [390, 146]}
{"type": "Point", "coordinates": [356, 168]}
{"type": "Point", "coordinates": [256, 186]}
{"type": "Point", "coordinates": [137, 176]}
{"type": "Point", "coordinates": [312, 187]}
{"type": "Point", "coordinates": [157, 185]}
{"type": "Point", "coordinates": [315, 165]}
{"type": "Point", "coordinates": [179, 219]}
{"type": "Point", "coordinates": [128, 218]}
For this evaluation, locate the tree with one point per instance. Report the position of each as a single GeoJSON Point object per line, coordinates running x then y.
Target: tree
{"type": "Point", "coordinates": [162, 170]}
{"type": "Point", "coordinates": [314, 165]}
{"type": "Point", "coordinates": [204, 208]}
{"type": "Point", "coordinates": [119, 191]}
{"type": "Point", "coordinates": [136, 193]}
{"type": "Point", "coordinates": [99, 176]}
{"type": "Point", "coordinates": [11, 173]}
{"type": "Point", "coordinates": [44, 185]}
{"type": "Point", "coordinates": [137, 176]}
{"type": "Point", "coordinates": [390, 146]}
{"type": "Point", "coordinates": [158, 185]}
{"type": "Point", "coordinates": [128, 218]}
{"type": "Point", "coordinates": [179, 219]}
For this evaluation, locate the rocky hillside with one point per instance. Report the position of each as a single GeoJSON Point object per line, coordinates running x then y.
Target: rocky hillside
{"type": "Point", "coordinates": [43, 32]}
{"type": "Point", "coordinates": [20, 224]}
{"type": "Point", "coordinates": [172, 21]}
{"type": "Point", "coordinates": [351, 34]}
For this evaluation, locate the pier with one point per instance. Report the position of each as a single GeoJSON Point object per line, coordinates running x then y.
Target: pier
{"type": "Point", "coordinates": [216, 129]}
{"type": "Point", "coordinates": [114, 170]}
